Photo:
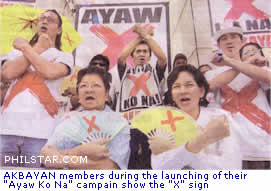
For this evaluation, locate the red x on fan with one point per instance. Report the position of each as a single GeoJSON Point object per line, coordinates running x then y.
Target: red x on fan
{"type": "Point", "coordinates": [91, 123]}
{"type": "Point", "coordinates": [171, 120]}
{"type": "Point", "coordinates": [67, 37]}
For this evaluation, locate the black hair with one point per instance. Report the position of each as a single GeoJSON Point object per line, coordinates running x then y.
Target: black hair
{"type": "Point", "coordinates": [142, 42]}
{"type": "Point", "coordinates": [179, 56]}
{"type": "Point", "coordinates": [104, 75]}
{"type": "Point", "coordinates": [198, 77]}
{"type": "Point", "coordinates": [101, 58]}
{"type": "Point", "coordinates": [35, 38]}
{"type": "Point", "coordinates": [253, 44]}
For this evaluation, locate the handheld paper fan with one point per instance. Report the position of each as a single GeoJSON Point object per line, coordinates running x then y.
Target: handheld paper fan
{"type": "Point", "coordinates": [89, 126]}
{"type": "Point", "coordinates": [168, 122]}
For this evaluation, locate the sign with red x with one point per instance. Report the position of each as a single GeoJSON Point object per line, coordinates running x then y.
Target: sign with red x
{"type": "Point", "coordinates": [140, 83]}
{"type": "Point", "coordinates": [107, 29]}
{"type": "Point", "coordinates": [252, 15]}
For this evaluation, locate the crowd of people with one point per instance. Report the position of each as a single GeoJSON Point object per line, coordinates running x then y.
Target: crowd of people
{"type": "Point", "coordinates": [229, 103]}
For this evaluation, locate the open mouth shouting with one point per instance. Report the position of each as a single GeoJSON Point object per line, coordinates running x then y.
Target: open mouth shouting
{"type": "Point", "coordinates": [185, 101]}
{"type": "Point", "coordinates": [89, 98]}
{"type": "Point", "coordinates": [43, 29]}
{"type": "Point", "coordinates": [142, 60]}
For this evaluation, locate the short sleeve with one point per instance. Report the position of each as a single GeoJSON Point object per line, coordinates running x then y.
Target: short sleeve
{"type": "Point", "coordinates": [12, 55]}
{"type": "Point", "coordinates": [65, 58]}
{"type": "Point", "coordinates": [211, 74]}
{"type": "Point", "coordinates": [121, 70]}
{"type": "Point", "coordinates": [160, 72]}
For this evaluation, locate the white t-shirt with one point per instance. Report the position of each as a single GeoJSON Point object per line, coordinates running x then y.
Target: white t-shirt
{"type": "Point", "coordinates": [255, 141]}
{"type": "Point", "coordinates": [25, 115]}
{"type": "Point", "coordinates": [140, 89]}
{"type": "Point", "coordinates": [224, 154]}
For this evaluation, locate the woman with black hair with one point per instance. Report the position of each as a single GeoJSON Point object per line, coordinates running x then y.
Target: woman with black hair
{"type": "Point", "coordinates": [215, 147]}
{"type": "Point", "coordinates": [93, 86]}
{"type": "Point", "coordinates": [254, 51]}
{"type": "Point", "coordinates": [37, 69]}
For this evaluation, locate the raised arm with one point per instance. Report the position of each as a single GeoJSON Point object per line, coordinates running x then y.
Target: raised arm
{"type": "Point", "coordinates": [127, 50]}
{"type": "Point", "coordinates": [252, 69]}
{"type": "Point", "coordinates": [47, 69]}
{"type": "Point", "coordinates": [223, 79]}
{"type": "Point", "coordinates": [156, 49]}
{"type": "Point", "coordinates": [13, 69]}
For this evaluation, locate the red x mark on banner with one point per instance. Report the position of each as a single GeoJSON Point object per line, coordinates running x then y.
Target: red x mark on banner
{"type": "Point", "coordinates": [115, 42]}
{"type": "Point", "coordinates": [91, 123]}
{"type": "Point", "coordinates": [244, 6]}
{"type": "Point", "coordinates": [171, 120]}
{"type": "Point", "coordinates": [140, 84]}
{"type": "Point", "coordinates": [242, 102]}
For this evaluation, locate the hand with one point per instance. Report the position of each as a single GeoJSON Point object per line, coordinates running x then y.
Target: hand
{"type": "Point", "coordinates": [51, 152]}
{"type": "Point", "coordinates": [149, 30]}
{"type": "Point", "coordinates": [44, 42]}
{"type": "Point", "coordinates": [217, 129]}
{"type": "Point", "coordinates": [216, 59]}
{"type": "Point", "coordinates": [95, 150]}
{"type": "Point", "coordinates": [140, 30]}
{"type": "Point", "coordinates": [161, 141]}
{"type": "Point", "coordinates": [258, 60]}
{"type": "Point", "coordinates": [20, 43]}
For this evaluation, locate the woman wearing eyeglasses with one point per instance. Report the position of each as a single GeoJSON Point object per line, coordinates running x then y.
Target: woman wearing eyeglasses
{"type": "Point", "coordinates": [30, 106]}
{"type": "Point", "coordinates": [253, 52]}
{"type": "Point", "coordinates": [99, 61]}
{"type": "Point", "coordinates": [93, 86]}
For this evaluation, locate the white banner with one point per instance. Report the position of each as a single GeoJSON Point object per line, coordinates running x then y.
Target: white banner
{"type": "Point", "coordinates": [252, 15]}
{"type": "Point", "coordinates": [107, 29]}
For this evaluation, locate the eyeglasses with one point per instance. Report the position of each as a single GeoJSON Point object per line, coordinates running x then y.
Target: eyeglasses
{"type": "Point", "coordinates": [49, 19]}
{"type": "Point", "coordinates": [87, 85]}
{"type": "Point", "coordinates": [252, 51]}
